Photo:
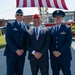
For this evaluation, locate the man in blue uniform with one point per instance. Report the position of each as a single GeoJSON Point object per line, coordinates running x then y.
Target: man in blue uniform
{"type": "Point", "coordinates": [38, 47]}
{"type": "Point", "coordinates": [15, 49]}
{"type": "Point", "coordinates": [60, 52]}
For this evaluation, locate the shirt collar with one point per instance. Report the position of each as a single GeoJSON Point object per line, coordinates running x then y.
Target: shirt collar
{"type": "Point", "coordinates": [58, 26]}
{"type": "Point", "coordinates": [19, 22]}
{"type": "Point", "coordinates": [38, 27]}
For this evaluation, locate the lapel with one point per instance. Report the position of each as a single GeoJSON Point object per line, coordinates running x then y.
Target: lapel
{"type": "Point", "coordinates": [60, 30]}
{"type": "Point", "coordinates": [20, 30]}
{"type": "Point", "coordinates": [53, 30]}
{"type": "Point", "coordinates": [33, 33]}
{"type": "Point", "coordinates": [18, 27]}
{"type": "Point", "coordinates": [40, 33]}
{"type": "Point", "coordinates": [24, 27]}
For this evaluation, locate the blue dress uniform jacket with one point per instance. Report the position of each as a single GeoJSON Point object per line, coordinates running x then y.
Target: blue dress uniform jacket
{"type": "Point", "coordinates": [15, 38]}
{"type": "Point", "coordinates": [61, 41]}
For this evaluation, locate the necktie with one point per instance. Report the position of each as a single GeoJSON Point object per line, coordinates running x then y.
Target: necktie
{"type": "Point", "coordinates": [36, 33]}
{"type": "Point", "coordinates": [57, 28]}
{"type": "Point", "coordinates": [20, 25]}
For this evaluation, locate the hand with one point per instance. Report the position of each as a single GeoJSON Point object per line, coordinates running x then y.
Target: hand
{"type": "Point", "coordinates": [37, 55]}
{"type": "Point", "coordinates": [22, 51]}
{"type": "Point", "coordinates": [56, 53]}
{"type": "Point", "coordinates": [59, 53]}
{"type": "Point", "coordinates": [19, 52]}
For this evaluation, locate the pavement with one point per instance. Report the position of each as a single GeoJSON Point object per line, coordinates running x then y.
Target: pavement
{"type": "Point", "coordinates": [73, 38]}
{"type": "Point", "coordinates": [27, 70]}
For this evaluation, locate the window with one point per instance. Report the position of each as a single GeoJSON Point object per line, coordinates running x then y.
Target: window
{"type": "Point", "coordinates": [69, 17]}
{"type": "Point", "coordinates": [51, 19]}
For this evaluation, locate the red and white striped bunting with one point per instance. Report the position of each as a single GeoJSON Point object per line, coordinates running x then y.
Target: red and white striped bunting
{"type": "Point", "coordinates": [42, 3]}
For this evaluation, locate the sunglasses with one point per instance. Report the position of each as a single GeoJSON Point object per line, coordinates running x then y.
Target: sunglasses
{"type": "Point", "coordinates": [19, 15]}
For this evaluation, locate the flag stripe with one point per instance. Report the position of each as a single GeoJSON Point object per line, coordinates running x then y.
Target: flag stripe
{"type": "Point", "coordinates": [44, 3]}
{"type": "Point", "coordinates": [32, 3]}
{"type": "Point", "coordinates": [28, 3]}
{"type": "Point", "coordinates": [17, 3]}
{"type": "Point", "coordinates": [59, 4]}
{"type": "Point", "coordinates": [63, 4]}
{"type": "Point", "coordinates": [52, 3]}
{"type": "Point", "coordinates": [21, 3]}
{"type": "Point", "coordinates": [40, 3]}
{"type": "Point", "coordinates": [36, 3]}
{"type": "Point", "coordinates": [56, 4]}
{"type": "Point", "coordinates": [48, 3]}
{"type": "Point", "coordinates": [24, 3]}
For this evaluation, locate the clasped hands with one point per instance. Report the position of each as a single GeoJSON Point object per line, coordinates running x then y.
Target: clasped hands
{"type": "Point", "coordinates": [37, 55]}
{"type": "Point", "coordinates": [20, 52]}
{"type": "Point", "coordinates": [56, 53]}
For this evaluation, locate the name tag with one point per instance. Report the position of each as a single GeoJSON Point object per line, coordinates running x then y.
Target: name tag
{"type": "Point", "coordinates": [15, 29]}
{"type": "Point", "coordinates": [63, 33]}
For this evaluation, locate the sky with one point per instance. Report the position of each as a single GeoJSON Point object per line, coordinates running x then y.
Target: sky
{"type": "Point", "coordinates": [8, 8]}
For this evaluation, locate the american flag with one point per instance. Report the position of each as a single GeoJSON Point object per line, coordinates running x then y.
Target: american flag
{"type": "Point", "coordinates": [42, 3]}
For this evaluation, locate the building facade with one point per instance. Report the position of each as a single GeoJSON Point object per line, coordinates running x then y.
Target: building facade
{"type": "Point", "coordinates": [69, 16]}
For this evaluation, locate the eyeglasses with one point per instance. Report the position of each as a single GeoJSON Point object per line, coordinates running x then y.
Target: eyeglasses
{"type": "Point", "coordinates": [19, 15]}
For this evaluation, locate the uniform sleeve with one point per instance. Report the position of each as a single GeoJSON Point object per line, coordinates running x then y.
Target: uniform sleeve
{"type": "Point", "coordinates": [51, 46]}
{"type": "Point", "coordinates": [28, 44]}
{"type": "Point", "coordinates": [67, 43]}
{"type": "Point", "coordinates": [9, 39]}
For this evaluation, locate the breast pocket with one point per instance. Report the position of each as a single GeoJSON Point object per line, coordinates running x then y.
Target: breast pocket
{"type": "Point", "coordinates": [16, 33]}
{"type": "Point", "coordinates": [63, 33]}
{"type": "Point", "coordinates": [62, 36]}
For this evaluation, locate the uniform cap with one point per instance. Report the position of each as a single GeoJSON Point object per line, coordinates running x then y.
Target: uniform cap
{"type": "Point", "coordinates": [58, 13]}
{"type": "Point", "coordinates": [19, 11]}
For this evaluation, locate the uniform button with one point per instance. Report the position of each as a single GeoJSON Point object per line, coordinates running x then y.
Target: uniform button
{"type": "Point", "coordinates": [56, 41]}
{"type": "Point", "coordinates": [56, 37]}
{"type": "Point", "coordinates": [56, 46]}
